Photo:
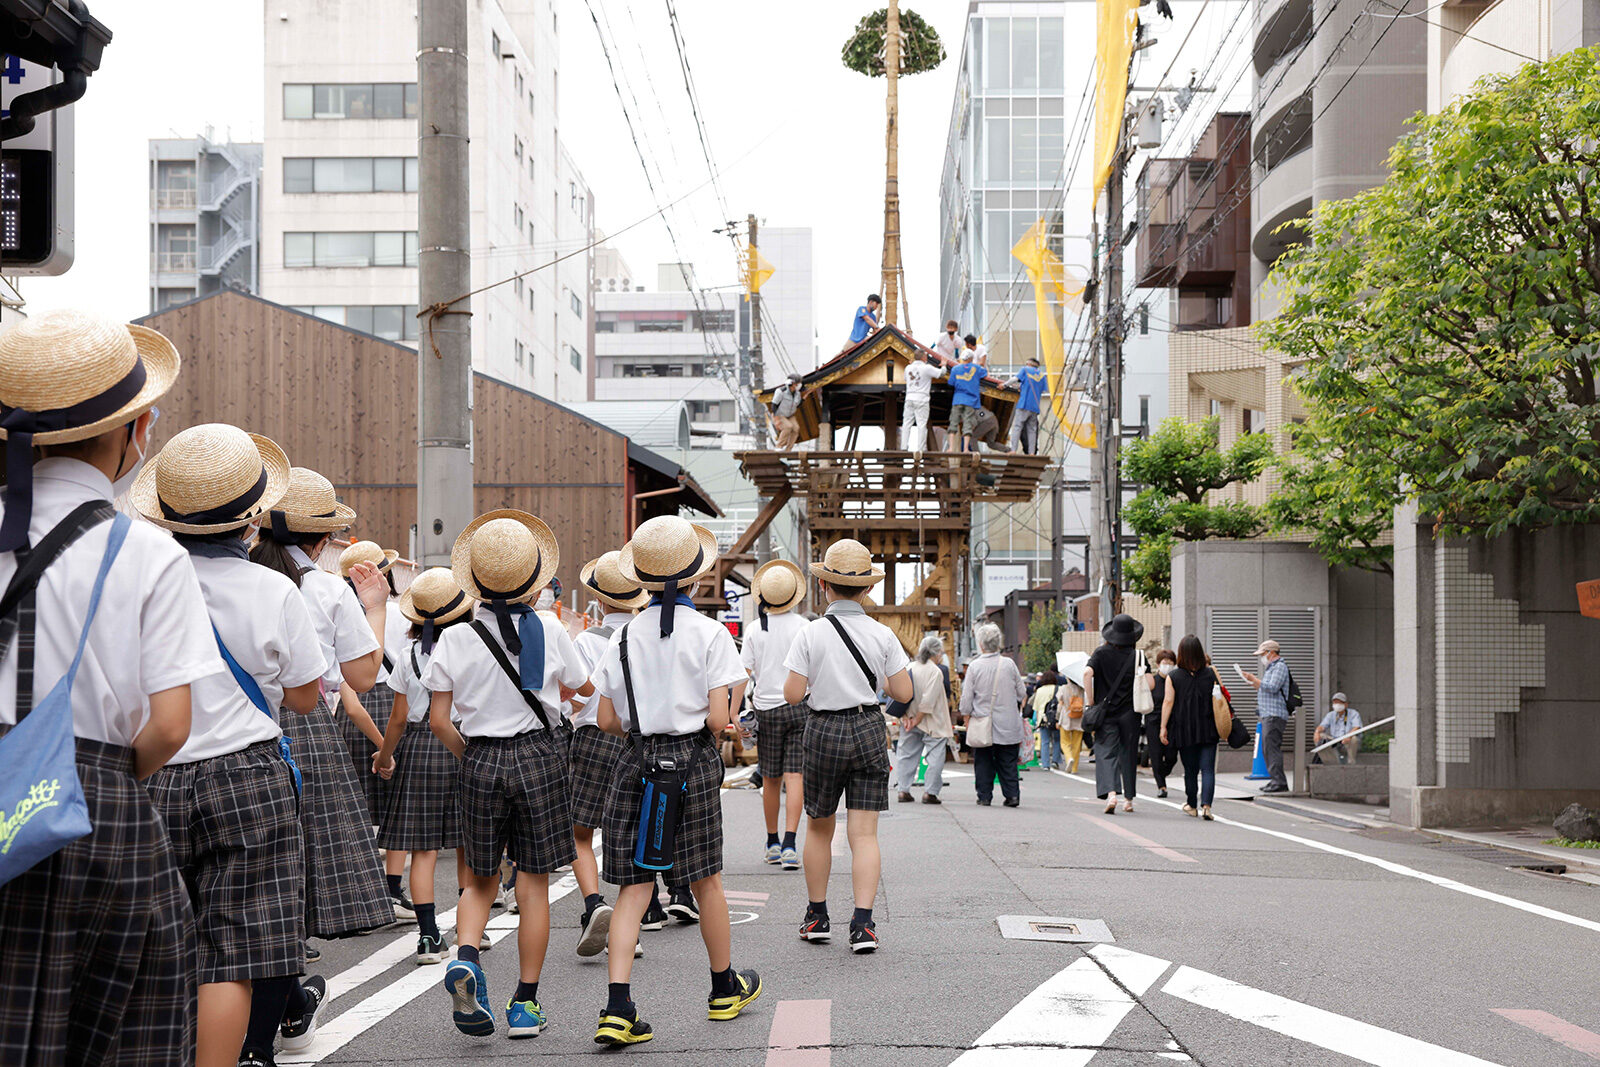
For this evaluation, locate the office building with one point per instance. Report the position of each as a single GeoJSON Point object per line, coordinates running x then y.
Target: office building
{"type": "Point", "coordinates": [340, 183]}
{"type": "Point", "coordinates": [205, 218]}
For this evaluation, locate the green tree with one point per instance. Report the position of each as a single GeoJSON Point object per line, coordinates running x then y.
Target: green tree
{"type": "Point", "coordinates": [1044, 638]}
{"type": "Point", "coordinates": [1345, 511]}
{"type": "Point", "coordinates": [1179, 465]}
{"type": "Point", "coordinates": [1448, 320]}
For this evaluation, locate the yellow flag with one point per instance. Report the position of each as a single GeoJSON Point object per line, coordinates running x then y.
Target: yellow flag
{"type": "Point", "coordinates": [757, 270]}
{"type": "Point", "coordinates": [1116, 23]}
{"type": "Point", "coordinates": [1046, 272]}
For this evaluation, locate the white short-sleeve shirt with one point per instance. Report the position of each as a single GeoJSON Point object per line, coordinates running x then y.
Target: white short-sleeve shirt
{"type": "Point", "coordinates": [268, 630]}
{"type": "Point", "coordinates": [920, 376]}
{"type": "Point", "coordinates": [151, 633]}
{"type": "Point", "coordinates": [672, 676]}
{"type": "Point", "coordinates": [395, 629]}
{"type": "Point", "coordinates": [340, 619]}
{"type": "Point", "coordinates": [834, 680]}
{"type": "Point", "coordinates": [487, 700]}
{"type": "Point", "coordinates": [764, 654]}
{"type": "Point", "coordinates": [407, 682]}
{"type": "Point", "coordinates": [592, 647]}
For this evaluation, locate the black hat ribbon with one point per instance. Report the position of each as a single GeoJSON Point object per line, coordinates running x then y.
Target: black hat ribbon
{"type": "Point", "coordinates": [669, 592]}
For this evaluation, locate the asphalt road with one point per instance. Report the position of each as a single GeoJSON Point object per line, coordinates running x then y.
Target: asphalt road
{"type": "Point", "coordinates": [1263, 938]}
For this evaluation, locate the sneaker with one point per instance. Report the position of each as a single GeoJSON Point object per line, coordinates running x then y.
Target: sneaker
{"type": "Point", "coordinates": [791, 859]}
{"type": "Point", "coordinates": [748, 988]}
{"type": "Point", "coordinates": [654, 917]}
{"type": "Point", "coordinates": [864, 938]}
{"type": "Point", "coordinates": [512, 907]}
{"type": "Point", "coordinates": [774, 851]}
{"type": "Point", "coordinates": [816, 928]}
{"type": "Point", "coordinates": [296, 1033]}
{"type": "Point", "coordinates": [905, 798]}
{"type": "Point", "coordinates": [931, 798]}
{"type": "Point", "coordinates": [469, 994]}
{"type": "Point", "coordinates": [253, 1059]}
{"type": "Point", "coordinates": [430, 949]}
{"type": "Point", "coordinates": [403, 908]}
{"type": "Point", "coordinates": [682, 906]}
{"type": "Point", "coordinates": [619, 1030]}
{"type": "Point", "coordinates": [313, 954]}
{"type": "Point", "coordinates": [484, 944]}
{"type": "Point", "coordinates": [596, 927]}
{"type": "Point", "coordinates": [524, 1018]}
{"type": "Point", "coordinates": [638, 950]}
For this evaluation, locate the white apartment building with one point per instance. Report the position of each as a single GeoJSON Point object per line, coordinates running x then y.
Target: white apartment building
{"type": "Point", "coordinates": [205, 218]}
{"type": "Point", "coordinates": [340, 182]}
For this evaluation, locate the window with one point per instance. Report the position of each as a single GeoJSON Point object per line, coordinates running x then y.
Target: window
{"type": "Point", "coordinates": [386, 100]}
{"type": "Point", "coordinates": [1025, 150]}
{"type": "Point", "coordinates": [516, 148]}
{"type": "Point", "coordinates": [604, 323]}
{"type": "Point", "coordinates": [997, 147]}
{"type": "Point", "coordinates": [530, 298]}
{"type": "Point", "coordinates": [516, 352]}
{"type": "Point", "coordinates": [516, 217]}
{"type": "Point", "coordinates": [1024, 54]}
{"type": "Point", "coordinates": [518, 75]}
{"type": "Point", "coordinates": [1144, 411]}
{"type": "Point", "coordinates": [1254, 421]}
{"type": "Point", "coordinates": [354, 248]}
{"type": "Point", "coordinates": [175, 183]}
{"type": "Point", "coordinates": [577, 305]}
{"type": "Point", "coordinates": [996, 55]}
{"type": "Point", "coordinates": [531, 109]}
{"type": "Point", "coordinates": [392, 322]}
{"type": "Point", "coordinates": [710, 410]}
{"type": "Point", "coordinates": [166, 298]}
{"type": "Point", "coordinates": [1052, 55]}
{"type": "Point", "coordinates": [716, 321]}
{"type": "Point", "coordinates": [530, 233]}
{"type": "Point", "coordinates": [516, 286]}
{"type": "Point", "coordinates": [494, 45]}
{"type": "Point", "coordinates": [175, 247]}
{"type": "Point", "coordinates": [575, 356]}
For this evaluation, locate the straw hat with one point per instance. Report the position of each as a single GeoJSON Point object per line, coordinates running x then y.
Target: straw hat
{"type": "Point", "coordinates": [211, 478]}
{"type": "Point", "coordinates": [602, 578]}
{"type": "Point", "coordinates": [89, 373]}
{"type": "Point", "coordinates": [367, 552]}
{"type": "Point", "coordinates": [309, 505]}
{"type": "Point", "coordinates": [506, 555]}
{"type": "Point", "coordinates": [668, 549]}
{"type": "Point", "coordinates": [847, 562]}
{"type": "Point", "coordinates": [435, 596]}
{"type": "Point", "coordinates": [779, 585]}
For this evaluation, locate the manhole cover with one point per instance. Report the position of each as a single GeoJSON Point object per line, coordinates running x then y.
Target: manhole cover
{"type": "Point", "coordinates": [1053, 928]}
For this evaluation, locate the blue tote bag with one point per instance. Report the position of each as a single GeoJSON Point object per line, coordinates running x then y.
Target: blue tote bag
{"type": "Point", "coordinates": [42, 808]}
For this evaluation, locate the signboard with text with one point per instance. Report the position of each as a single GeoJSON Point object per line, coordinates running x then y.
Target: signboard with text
{"type": "Point", "coordinates": [1000, 579]}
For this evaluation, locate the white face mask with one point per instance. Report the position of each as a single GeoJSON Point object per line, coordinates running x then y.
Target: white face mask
{"type": "Point", "coordinates": [125, 483]}
{"type": "Point", "coordinates": [1339, 708]}
{"type": "Point", "coordinates": [1265, 662]}
{"type": "Point", "coordinates": [1165, 668]}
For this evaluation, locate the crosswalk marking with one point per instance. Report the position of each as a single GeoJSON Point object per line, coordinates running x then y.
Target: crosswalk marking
{"type": "Point", "coordinates": [1143, 842]}
{"type": "Point", "coordinates": [1556, 1029]}
{"type": "Point", "coordinates": [800, 1034]}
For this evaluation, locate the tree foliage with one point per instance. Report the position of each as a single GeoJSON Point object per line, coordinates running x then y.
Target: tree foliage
{"type": "Point", "coordinates": [920, 47]}
{"type": "Point", "coordinates": [1044, 638]}
{"type": "Point", "coordinates": [1345, 510]}
{"type": "Point", "coordinates": [1449, 321]}
{"type": "Point", "coordinates": [1179, 465]}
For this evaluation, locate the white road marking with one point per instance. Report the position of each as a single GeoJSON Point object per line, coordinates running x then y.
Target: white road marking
{"type": "Point", "coordinates": [1394, 868]}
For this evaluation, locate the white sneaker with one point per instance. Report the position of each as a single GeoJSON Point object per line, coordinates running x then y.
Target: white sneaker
{"type": "Point", "coordinates": [774, 854]}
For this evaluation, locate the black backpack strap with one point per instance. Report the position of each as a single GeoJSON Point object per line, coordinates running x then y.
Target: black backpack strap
{"type": "Point", "coordinates": [861, 661]}
{"type": "Point", "coordinates": [634, 735]}
{"type": "Point", "coordinates": [17, 603]}
{"type": "Point", "coordinates": [416, 666]}
{"type": "Point", "coordinates": [511, 672]}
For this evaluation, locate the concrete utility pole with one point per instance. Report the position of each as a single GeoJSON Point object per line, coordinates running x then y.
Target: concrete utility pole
{"type": "Point", "coordinates": [1105, 473]}
{"type": "Point", "coordinates": [764, 542]}
{"type": "Point", "coordinates": [892, 269]}
{"type": "Point", "coordinates": [444, 356]}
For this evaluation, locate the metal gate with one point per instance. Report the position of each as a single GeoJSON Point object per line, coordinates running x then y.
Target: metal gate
{"type": "Point", "coordinates": [1234, 633]}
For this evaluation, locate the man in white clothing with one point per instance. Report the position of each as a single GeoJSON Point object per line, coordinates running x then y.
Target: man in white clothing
{"type": "Point", "coordinates": [920, 376]}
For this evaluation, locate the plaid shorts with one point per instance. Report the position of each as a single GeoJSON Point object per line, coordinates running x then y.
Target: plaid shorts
{"type": "Point", "coordinates": [697, 850]}
{"type": "Point", "coordinates": [963, 418]}
{"type": "Point", "coordinates": [345, 890]}
{"type": "Point", "coordinates": [514, 801]}
{"type": "Point", "coordinates": [97, 947]}
{"type": "Point", "coordinates": [846, 754]}
{"type": "Point", "coordinates": [421, 808]}
{"type": "Point", "coordinates": [780, 738]}
{"type": "Point", "coordinates": [594, 757]}
{"type": "Point", "coordinates": [378, 702]}
{"type": "Point", "coordinates": [235, 830]}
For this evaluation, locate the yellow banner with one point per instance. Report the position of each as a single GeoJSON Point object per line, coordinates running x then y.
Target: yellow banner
{"type": "Point", "coordinates": [757, 270]}
{"type": "Point", "coordinates": [1046, 272]}
{"type": "Point", "coordinates": [1116, 23]}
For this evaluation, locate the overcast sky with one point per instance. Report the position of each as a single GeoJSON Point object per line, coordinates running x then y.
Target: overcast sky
{"type": "Point", "coordinates": [799, 138]}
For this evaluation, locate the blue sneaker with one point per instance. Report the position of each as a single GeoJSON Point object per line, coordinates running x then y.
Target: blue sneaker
{"type": "Point", "coordinates": [791, 859]}
{"type": "Point", "coordinates": [469, 991]}
{"type": "Point", "coordinates": [774, 853]}
{"type": "Point", "coordinates": [524, 1018]}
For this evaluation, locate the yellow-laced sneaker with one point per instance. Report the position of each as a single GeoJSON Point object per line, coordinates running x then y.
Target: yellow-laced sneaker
{"type": "Point", "coordinates": [729, 1007]}
{"type": "Point", "coordinates": [620, 1030]}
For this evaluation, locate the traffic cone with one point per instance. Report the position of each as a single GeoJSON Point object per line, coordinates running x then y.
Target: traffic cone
{"type": "Point", "coordinates": [1258, 766]}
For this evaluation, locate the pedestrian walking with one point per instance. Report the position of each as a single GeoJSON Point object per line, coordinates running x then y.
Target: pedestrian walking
{"type": "Point", "coordinates": [228, 798]}
{"type": "Point", "coordinates": [508, 675]}
{"type": "Point", "coordinates": [378, 700]}
{"type": "Point", "coordinates": [991, 702]}
{"type": "Point", "coordinates": [1072, 705]}
{"type": "Point", "coordinates": [920, 376]}
{"type": "Point", "coordinates": [778, 585]}
{"type": "Point", "coordinates": [842, 661]}
{"type": "Point", "coordinates": [97, 949]}
{"type": "Point", "coordinates": [1162, 757]}
{"type": "Point", "coordinates": [1108, 682]}
{"type": "Point", "coordinates": [668, 684]}
{"type": "Point", "coordinates": [926, 730]}
{"type": "Point", "coordinates": [1272, 709]}
{"type": "Point", "coordinates": [595, 753]}
{"type": "Point", "coordinates": [421, 811]}
{"type": "Point", "coordinates": [1188, 725]}
{"type": "Point", "coordinates": [1047, 712]}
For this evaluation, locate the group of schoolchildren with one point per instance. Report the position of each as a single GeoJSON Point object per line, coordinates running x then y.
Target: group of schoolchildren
{"type": "Point", "coordinates": [234, 760]}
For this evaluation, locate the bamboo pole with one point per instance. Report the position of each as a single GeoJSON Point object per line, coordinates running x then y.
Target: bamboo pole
{"type": "Point", "coordinates": [891, 192]}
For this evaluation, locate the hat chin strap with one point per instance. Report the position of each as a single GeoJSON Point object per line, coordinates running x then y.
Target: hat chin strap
{"type": "Point", "coordinates": [669, 591]}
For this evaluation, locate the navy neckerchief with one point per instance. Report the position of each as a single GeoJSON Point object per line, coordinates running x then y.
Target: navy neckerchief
{"type": "Point", "coordinates": [658, 600]}
{"type": "Point", "coordinates": [524, 639]}
{"type": "Point", "coordinates": [208, 546]}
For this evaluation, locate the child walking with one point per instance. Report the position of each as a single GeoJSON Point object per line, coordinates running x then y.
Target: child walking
{"type": "Point", "coordinates": [779, 585]}
{"type": "Point", "coordinates": [839, 663]}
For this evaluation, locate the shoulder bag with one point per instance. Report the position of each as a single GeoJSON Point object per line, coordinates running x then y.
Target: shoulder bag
{"type": "Point", "coordinates": [1094, 716]}
{"type": "Point", "coordinates": [665, 786]}
{"type": "Point", "coordinates": [1144, 701]}
{"type": "Point", "coordinates": [42, 806]}
{"type": "Point", "coordinates": [980, 728]}
{"type": "Point", "coordinates": [1221, 713]}
{"type": "Point", "coordinates": [253, 693]}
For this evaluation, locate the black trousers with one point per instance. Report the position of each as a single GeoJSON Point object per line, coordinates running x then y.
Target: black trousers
{"type": "Point", "coordinates": [1116, 753]}
{"type": "Point", "coordinates": [998, 760]}
{"type": "Point", "coordinates": [1162, 757]}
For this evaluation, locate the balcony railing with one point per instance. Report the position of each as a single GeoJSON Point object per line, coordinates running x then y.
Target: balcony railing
{"type": "Point", "coordinates": [172, 198]}
{"type": "Point", "coordinates": [172, 262]}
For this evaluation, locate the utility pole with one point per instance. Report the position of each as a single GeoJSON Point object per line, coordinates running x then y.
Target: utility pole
{"type": "Point", "coordinates": [1100, 519]}
{"type": "Point", "coordinates": [892, 269]}
{"type": "Point", "coordinates": [444, 356]}
{"type": "Point", "coordinates": [756, 365]}
{"type": "Point", "coordinates": [1111, 399]}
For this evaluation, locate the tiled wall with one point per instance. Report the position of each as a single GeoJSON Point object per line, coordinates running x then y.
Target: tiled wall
{"type": "Point", "coordinates": [1485, 655]}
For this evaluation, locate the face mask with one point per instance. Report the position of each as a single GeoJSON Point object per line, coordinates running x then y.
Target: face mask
{"type": "Point", "coordinates": [1339, 708]}
{"type": "Point", "coordinates": [1265, 662]}
{"type": "Point", "coordinates": [1165, 668]}
{"type": "Point", "coordinates": [124, 484]}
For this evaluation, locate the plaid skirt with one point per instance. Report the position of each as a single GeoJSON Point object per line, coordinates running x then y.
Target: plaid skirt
{"type": "Point", "coordinates": [846, 755]}
{"type": "Point", "coordinates": [379, 701]}
{"type": "Point", "coordinates": [421, 806]}
{"type": "Point", "coordinates": [345, 890]}
{"type": "Point", "coordinates": [697, 851]}
{"type": "Point", "coordinates": [514, 802]}
{"type": "Point", "coordinates": [97, 957]}
{"type": "Point", "coordinates": [780, 738]}
{"type": "Point", "coordinates": [594, 757]}
{"type": "Point", "coordinates": [235, 829]}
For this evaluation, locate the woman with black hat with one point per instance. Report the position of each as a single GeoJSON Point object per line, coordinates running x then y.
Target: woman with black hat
{"type": "Point", "coordinates": [1108, 681]}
